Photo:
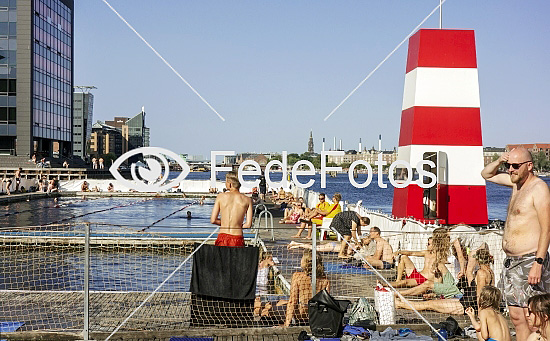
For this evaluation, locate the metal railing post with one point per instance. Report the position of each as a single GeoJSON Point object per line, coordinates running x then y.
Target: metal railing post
{"type": "Point", "coordinates": [86, 282]}
{"type": "Point", "coordinates": [314, 260]}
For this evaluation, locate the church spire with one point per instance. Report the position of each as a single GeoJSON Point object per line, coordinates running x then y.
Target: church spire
{"type": "Point", "coordinates": [310, 143]}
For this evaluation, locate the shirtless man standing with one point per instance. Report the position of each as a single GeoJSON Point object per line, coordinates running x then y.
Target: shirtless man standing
{"type": "Point", "coordinates": [233, 207]}
{"type": "Point", "coordinates": [383, 257]}
{"type": "Point", "coordinates": [526, 234]}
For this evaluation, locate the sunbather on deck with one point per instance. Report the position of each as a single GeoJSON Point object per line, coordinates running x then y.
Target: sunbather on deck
{"type": "Point", "coordinates": [294, 214]}
{"type": "Point", "coordinates": [436, 271]}
{"type": "Point", "coordinates": [383, 257]}
{"type": "Point", "coordinates": [316, 215]}
{"type": "Point", "coordinates": [327, 247]}
{"type": "Point", "coordinates": [455, 302]}
{"type": "Point", "coordinates": [413, 276]}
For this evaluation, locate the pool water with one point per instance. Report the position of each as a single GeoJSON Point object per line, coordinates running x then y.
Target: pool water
{"type": "Point", "coordinates": [129, 214]}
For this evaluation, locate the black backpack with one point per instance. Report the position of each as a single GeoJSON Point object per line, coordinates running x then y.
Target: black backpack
{"type": "Point", "coordinates": [326, 315]}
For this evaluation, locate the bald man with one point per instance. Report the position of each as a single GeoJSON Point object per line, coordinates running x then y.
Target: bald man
{"type": "Point", "coordinates": [526, 234]}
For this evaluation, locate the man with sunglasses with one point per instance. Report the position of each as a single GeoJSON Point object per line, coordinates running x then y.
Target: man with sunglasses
{"type": "Point", "coordinates": [526, 234]}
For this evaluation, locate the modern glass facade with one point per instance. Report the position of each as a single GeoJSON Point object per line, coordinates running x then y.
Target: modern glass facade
{"type": "Point", "coordinates": [138, 134]}
{"type": "Point", "coordinates": [8, 76]}
{"type": "Point", "coordinates": [52, 70]}
{"type": "Point", "coordinates": [36, 83]}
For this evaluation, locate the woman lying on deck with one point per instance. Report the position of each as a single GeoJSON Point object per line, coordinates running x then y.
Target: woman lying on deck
{"type": "Point", "coordinates": [335, 246]}
{"type": "Point", "coordinates": [457, 305]}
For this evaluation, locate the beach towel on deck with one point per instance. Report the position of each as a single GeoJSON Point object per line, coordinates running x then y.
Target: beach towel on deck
{"type": "Point", "coordinates": [225, 272]}
{"type": "Point", "coordinates": [338, 268]}
{"type": "Point", "coordinates": [7, 327]}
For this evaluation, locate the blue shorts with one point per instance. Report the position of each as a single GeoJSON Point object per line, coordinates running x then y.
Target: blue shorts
{"type": "Point", "coordinates": [387, 265]}
{"type": "Point", "coordinates": [491, 339]}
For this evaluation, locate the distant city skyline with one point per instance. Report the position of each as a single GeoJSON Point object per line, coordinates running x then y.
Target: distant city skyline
{"type": "Point", "coordinates": [275, 70]}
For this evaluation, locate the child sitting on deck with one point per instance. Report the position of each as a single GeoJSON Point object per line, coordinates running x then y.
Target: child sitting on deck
{"type": "Point", "coordinates": [491, 326]}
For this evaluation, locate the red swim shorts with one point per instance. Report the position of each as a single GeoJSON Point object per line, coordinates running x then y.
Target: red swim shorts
{"type": "Point", "coordinates": [417, 276]}
{"type": "Point", "coordinates": [231, 240]}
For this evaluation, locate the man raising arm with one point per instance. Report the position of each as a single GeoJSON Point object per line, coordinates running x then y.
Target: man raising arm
{"type": "Point", "coordinates": [526, 234]}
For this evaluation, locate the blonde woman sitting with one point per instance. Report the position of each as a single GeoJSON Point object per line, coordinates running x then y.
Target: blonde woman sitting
{"type": "Point", "coordinates": [300, 289]}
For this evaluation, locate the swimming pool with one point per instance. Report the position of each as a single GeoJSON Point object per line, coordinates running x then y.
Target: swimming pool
{"type": "Point", "coordinates": [125, 214]}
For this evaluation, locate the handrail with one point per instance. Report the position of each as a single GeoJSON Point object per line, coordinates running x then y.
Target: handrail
{"type": "Point", "coordinates": [257, 221]}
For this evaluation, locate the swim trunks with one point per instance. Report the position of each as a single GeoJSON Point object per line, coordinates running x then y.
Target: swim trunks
{"type": "Point", "coordinates": [417, 276]}
{"type": "Point", "coordinates": [386, 265]}
{"type": "Point", "coordinates": [514, 279]}
{"type": "Point", "coordinates": [491, 339]}
{"type": "Point", "coordinates": [447, 288]}
{"type": "Point", "coordinates": [230, 240]}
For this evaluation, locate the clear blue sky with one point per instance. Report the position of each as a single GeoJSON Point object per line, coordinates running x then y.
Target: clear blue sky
{"type": "Point", "coordinates": [275, 68]}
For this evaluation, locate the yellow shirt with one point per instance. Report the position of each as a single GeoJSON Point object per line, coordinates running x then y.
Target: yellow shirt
{"type": "Point", "coordinates": [325, 206]}
{"type": "Point", "coordinates": [335, 211]}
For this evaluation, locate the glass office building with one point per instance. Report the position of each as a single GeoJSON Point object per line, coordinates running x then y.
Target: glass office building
{"type": "Point", "coordinates": [36, 76]}
{"type": "Point", "coordinates": [83, 107]}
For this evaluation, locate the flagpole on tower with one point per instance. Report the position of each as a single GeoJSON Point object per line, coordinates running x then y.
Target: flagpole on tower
{"type": "Point", "coordinates": [440, 14]}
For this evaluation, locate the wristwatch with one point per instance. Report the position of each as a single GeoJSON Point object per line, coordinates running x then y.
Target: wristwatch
{"type": "Point", "coordinates": [539, 260]}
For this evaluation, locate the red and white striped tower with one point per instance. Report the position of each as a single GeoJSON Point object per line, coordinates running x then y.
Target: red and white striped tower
{"type": "Point", "coordinates": [441, 115]}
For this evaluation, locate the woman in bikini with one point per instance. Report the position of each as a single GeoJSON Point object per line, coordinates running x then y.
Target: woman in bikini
{"type": "Point", "coordinates": [457, 305]}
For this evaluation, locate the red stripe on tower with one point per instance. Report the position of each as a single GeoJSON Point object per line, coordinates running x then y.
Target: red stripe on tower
{"type": "Point", "coordinates": [441, 122]}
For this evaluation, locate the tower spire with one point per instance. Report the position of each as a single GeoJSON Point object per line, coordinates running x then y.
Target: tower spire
{"type": "Point", "coordinates": [310, 148]}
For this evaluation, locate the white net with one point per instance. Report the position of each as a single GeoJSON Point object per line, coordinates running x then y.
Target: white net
{"type": "Point", "coordinates": [140, 281]}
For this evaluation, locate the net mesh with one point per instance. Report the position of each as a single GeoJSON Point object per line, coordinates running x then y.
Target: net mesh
{"type": "Point", "coordinates": [42, 279]}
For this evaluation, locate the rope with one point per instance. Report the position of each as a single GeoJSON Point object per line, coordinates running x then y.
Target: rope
{"type": "Point", "coordinates": [93, 212]}
{"type": "Point", "coordinates": [171, 214]}
{"type": "Point", "coordinates": [164, 60]}
{"type": "Point", "coordinates": [384, 60]}
{"type": "Point", "coordinates": [47, 208]}
{"type": "Point", "coordinates": [161, 284]}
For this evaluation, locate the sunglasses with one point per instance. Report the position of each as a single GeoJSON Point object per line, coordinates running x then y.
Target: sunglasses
{"type": "Point", "coordinates": [321, 198]}
{"type": "Point", "coordinates": [514, 165]}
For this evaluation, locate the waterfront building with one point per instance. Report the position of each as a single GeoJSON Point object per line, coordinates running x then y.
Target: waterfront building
{"type": "Point", "coordinates": [261, 159]}
{"type": "Point", "coordinates": [134, 132]}
{"type": "Point", "coordinates": [138, 133]}
{"type": "Point", "coordinates": [230, 159]}
{"type": "Point", "coordinates": [534, 148]}
{"type": "Point", "coordinates": [83, 107]}
{"type": "Point", "coordinates": [105, 139]}
{"type": "Point", "coordinates": [119, 123]}
{"type": "Point", "coordinates": [370, 156]}
{"type": "Point", "coordinates": [36, 77]}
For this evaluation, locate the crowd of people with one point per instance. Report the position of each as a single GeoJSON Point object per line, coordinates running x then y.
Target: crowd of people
{"type": "Point", "coordinates": [9, 185]}
{"type": "Point", "coordinates": [473, 291]}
